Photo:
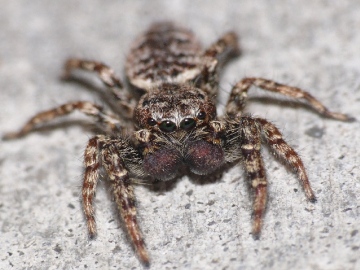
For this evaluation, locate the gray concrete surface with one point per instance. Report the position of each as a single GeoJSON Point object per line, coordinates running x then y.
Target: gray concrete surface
{"type": "Point", "coordinates": [312, 44]}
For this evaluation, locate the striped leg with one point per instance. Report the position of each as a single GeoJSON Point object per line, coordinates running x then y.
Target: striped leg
{"type": "Point", "coordinates": [107, 119]}
{"type": "Point", "coordinates": [91, 177]}
{"type": "Point", "coordinates": [215, 57]}
{"type": "Point", "coordinates": [239, 93]}
{"type": "Point", "coordinates": [106, 151]}
{"type": "Point", "coordinates": [225, 46]}
{"type": "Point", "coordinates": [254, 167]}
{"type": "Point", "coordinates": [107, 76]}
{"type": "Point", "coordinates": [124, 195]}
{"type": "Point", "coordinates": [285, 152]}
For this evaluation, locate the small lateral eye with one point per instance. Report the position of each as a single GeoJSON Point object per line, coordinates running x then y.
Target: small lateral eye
{"type": "Point", "coordinates": [201, 115]}
{"type": "Point", "coordinates": [145, 103]}
{"type": "Point", "coordinates": [167, 126]}
{"type": "Point", "coordinates": [151, 122]}
{"type": "Point", "coordinates": [188, 123]}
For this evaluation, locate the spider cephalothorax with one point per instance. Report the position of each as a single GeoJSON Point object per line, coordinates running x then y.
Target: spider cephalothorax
{"type": "Point", "coordinates": [178, 131]}
{"type": "Point", "coordinates": [171, 107]}
{"type": "Point", "coordinates": [175, 123]}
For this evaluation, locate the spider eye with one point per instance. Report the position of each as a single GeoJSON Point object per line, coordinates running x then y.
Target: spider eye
{"type": "Point", "coordinates": [167, 126]}
{"type": "Point", "coordinates": [145, 103]}
{"type": "Point", "coordinates": [187, 123]}
{"type": "Point", "coordinates": [151, 122]}
{"type": "Point", "coordinates": [201, 115]}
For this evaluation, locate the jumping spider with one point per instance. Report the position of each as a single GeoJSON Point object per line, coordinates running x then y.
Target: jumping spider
{"type": "Point", "coordinates": [175, 123]}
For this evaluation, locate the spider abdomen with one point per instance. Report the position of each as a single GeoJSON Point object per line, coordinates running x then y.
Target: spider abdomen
{"type": "Point", "coordinates": [166, 53]}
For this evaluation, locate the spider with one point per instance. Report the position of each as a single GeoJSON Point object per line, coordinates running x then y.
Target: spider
{"type": "Point", "coordinates": [175, 125]}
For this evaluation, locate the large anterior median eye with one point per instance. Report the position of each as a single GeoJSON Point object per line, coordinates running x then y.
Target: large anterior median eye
{"type": "Point", "coordinates": [187, 123]}
{"type": "Point", "coordinates": [167, 126]}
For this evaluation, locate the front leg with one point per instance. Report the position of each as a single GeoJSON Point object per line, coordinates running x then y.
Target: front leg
{"type": "Point", "coordinates": [108, 77]}
{"type": "Point", "coordinates": [285, 152]}
{"type": "Point", "coordinates": [251, 130]}
{"type": "Point", "coordinates": [239, 94]}
{"type": "Point", "coordinates": [91, 177]}
{"type": "Point", "coordinates": [114, 154]}
{"type": "Point", "coordinates": [254, 167]}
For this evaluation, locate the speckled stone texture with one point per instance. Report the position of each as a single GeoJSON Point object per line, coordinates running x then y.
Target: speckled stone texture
{"type": "Point", "coordinates": [186, 224]}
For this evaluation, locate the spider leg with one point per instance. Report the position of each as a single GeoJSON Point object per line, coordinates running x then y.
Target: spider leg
{"type": "Point", "coordinates": [239, 95]}
{"type": "Point", "coordinates": [251, 131]}
{"type": "Point", "coordinates": [124, 193]}
{"type": "Point", "coordinates": [225, 48]}
{"type": "Point", "coordinates": [254, 167]}
{"type": "Point", "coordinates": [104, 151]}
{"type": "Point", "coordinates": [91, 177]}
{"type": "Point", "coordinates": [107, 76]}
{"type": "Point", "coordinates": [109, 120]}
{"type": "Point", "coordinates": [274, 139]}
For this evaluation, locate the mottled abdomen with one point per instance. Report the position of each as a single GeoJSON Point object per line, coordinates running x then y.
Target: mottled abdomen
{"type": "Point", "coordinates": [166, 53]}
